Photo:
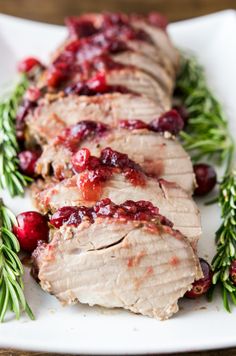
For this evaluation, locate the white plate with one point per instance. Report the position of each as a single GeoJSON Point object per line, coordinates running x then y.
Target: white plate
{"type": "Point", "coordinates": [80, 329]}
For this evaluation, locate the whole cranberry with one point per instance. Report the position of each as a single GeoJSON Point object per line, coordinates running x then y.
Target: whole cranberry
{"type": "Point", "coordinates": [27, 162]}
{"type": "Point", "coordinates": [170, 121]}
{"type": "Point", "coordinates": [32, 227]}
{"type": "Point", "coordinates": [232, 272]}
{"type": "Point", "coordinates": [183, 112]}
{"type": "Point", "coordinates": [205, 177]}
{"type": "Point", "coordinates": [54, 77]}
{"type": "Point", "coordinates": [27, 64]}
{"type": "Point", "coordinates": [201, 286]}
{"type": "Point", "coordinates": [80, 160]}
{"type": "Point", "coordinates": [98, 83]}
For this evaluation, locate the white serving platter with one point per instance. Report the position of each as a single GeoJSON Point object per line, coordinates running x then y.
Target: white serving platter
{"type": "Point", "coordinates": [80, 329]}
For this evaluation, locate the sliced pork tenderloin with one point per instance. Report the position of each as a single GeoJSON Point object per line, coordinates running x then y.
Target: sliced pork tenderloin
{"type": "Point", "coordinates": [138, 82]}
{"type": "Point", "coordinates": [116, 262]}
{"type": "Point", "coordinates": [157, 155]}
{"type": "Point", "coordinates": [152, 52]}
{"type": "Point", "coordinates": [159, 38]}
{"type": "Point", "coordinates": [50, 118]}
{"type": "Point", "coordinates": [149, 67]}
{"type": "Point", "coordinates": [119, 184]}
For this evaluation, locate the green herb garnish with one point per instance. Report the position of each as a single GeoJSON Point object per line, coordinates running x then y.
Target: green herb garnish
{"type": "Point", "coordinates": [11, 270]}
{"type": "Point", "coordinates": [10, 177]}
{"type": "Point", "coordinates": [207, 137]}
{"type": "Point", "coordinates": [226, 240]}
{"type": "Point", "coordinates": [207, 134]}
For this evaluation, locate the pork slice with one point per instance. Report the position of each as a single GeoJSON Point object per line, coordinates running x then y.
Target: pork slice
{"type": "Point", "coordinates": [159, 37]}
{"type": "Point", "coordinates": [49, 119]}
{"type": "Point", "coordinates": [152, 52]}
{"type": "Point", "coordinates": [173, 202]}
{"type": "Point", "coordinates": [135, 265]}
{"type": "Point", "coordinates": [148, 65]}
{"type": "Point", "coordinates": [157, 155]}
{"type": "Point", "coordinates": [138, 82]}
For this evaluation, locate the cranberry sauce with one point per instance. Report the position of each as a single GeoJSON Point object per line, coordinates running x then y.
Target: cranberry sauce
{"type": "Point", "coordinates": [67, 69]}
{"type": "Point", "coordinates": [110, 161]}
{"type": "Point", "coordinates": [129, 210]}
{"type": "Point", "coordinates": [113, 26]}
{"type": "Point", "coordinates": [72, 136]}
{"type": "Point", "coordinates": [80, 27]}
{"type": "Point", "coordinates": [170, 121]}
{"type": "Point", "coordinates": [153, 18]}
{"type": "Point", "coordinates": [96, 170]}
{"type": "Point", "coordinates": [133, 125]}
{"type": "Point", "coordinates": [91, 52]}
{"type": "Point", "coordinates": [71, 215]}
{"type": "Point", "coordinates": [95, 86]}
{"type": "Point", "coordinates": [27, 64]}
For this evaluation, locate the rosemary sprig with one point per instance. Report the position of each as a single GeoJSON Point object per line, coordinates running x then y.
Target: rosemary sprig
{"type": "Point", "coordinates": [11, 270]}
{"type": "Point", "coordinates": [226, 240]}
{"type": "Point", "coordinates": [10, 177]}
{"type": "Point", "coordinates": [207, 137]}
{"type": "Point", "coordinates": [207, 134]}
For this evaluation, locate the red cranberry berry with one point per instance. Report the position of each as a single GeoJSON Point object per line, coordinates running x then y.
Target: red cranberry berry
{"type": "Point", "coordinates": [27, 64]}
{"type": "Point", "coordinates": [54, 77]}
{"type": "Point", "coordinates": [80, 160]}
{"type": "Point", "coordinates": [32, 227]}
{"type": "Point", "coordinates": [205, 177]}
{"type": "Point", "coordinates": [232, 272]}
{"type": "Point", "coordinates": [170, 121]}
{"type": "Point", "coordinates": [27, 162]}
{"type": "Point", "coordinates": [98, 83]}
{"type": "Point", "coordinates": [201, 286]}
{"type": "Point", "coordinates": [183, 112]}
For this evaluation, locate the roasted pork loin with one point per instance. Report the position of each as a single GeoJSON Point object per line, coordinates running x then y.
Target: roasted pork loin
{"type": "Point", "coordinates": [117, 261]}
{"type": "Point", "coordinates": [115, 184]}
